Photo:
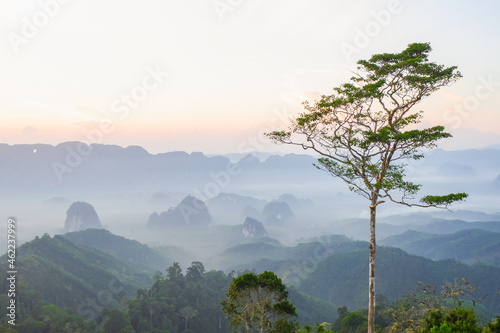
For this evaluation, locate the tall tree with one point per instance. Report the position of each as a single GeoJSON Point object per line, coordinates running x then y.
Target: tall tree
{"type": "Point", "coordinates": [187, 313]}
{"type": "Point", "coordinates": [174, 272]}
{"type": "Point", "coordinates": [368, 127]}
{"type": "Point", "coordinates": [257, 302]}
{"type": "Point", "coordinates": [195, 271]}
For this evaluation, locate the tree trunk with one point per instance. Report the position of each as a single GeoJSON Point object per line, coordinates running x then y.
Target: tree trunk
{"type": "Point", "coordinates": [371, 268]}
{"type": "Point", "coordinates": [150, 318]}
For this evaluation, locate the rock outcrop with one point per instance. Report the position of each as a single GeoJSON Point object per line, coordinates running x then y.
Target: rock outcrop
{"type": "Point", "coordinates": [189, 212]}
{"type": "Point", "coordinates": [253, 228]}
{"type": "Point", "coordinates": [277, 214]}
{"type": "Point", "coordinates": [81, 216]}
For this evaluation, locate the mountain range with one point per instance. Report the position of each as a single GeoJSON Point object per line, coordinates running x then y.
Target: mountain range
{"type": "Point", "coordinates": [98, 167]}
{"type": "Point", "coordinates": [312, 231]}
{"type": "Point", "coordinates": [470, 246]}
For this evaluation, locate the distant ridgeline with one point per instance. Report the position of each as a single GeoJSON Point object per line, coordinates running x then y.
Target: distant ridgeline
{"type": "Point", "coordinates": [75, 166]}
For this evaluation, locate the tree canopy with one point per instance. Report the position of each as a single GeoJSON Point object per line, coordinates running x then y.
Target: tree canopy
{"type": "Point", "coordinates": [367, 126]}
{"type": "Point", "coordinates": [257, 302]}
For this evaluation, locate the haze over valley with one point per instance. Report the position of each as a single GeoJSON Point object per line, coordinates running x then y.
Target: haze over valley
{"type": "Point", "coordinates": [237, 213]}
{"type": "Point", "coordinates": [130, 189]}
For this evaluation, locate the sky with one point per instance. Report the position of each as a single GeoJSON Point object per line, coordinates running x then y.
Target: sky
{"type": "Point", "coordinates": [214, 75]}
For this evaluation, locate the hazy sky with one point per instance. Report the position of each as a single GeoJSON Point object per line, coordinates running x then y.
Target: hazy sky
{"type": "Point", "coordinates": [213, 75]}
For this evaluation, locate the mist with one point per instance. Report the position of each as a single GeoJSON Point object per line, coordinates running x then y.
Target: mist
{"type": "Point", "coordinates": [292, 199]}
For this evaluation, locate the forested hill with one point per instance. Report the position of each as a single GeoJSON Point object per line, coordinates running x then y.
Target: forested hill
{"type": "Point", "coordinates": [342, 277]}
{"type": "Point", "coordinates": [55, 270]}
{"type": "Point", "coordinates": [251, 254]}
{"type": "Point", "coordinates": [335, 268]}
{"type": "Point", "coordinates": [163, 307]}
{"type": "Point", "coordinates": [72, 284]}
{"type": "Point", "coordinates": [469, 246]}
{"type": "Point", "coordinates": [321, 274]}
{"type": "Point", "coordinates": [122, 248]}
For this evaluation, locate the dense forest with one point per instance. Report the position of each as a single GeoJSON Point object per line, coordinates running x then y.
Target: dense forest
{"type": "Point", "coordinates": [70, 287]}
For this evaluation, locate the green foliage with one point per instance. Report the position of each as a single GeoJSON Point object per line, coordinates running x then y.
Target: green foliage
{"type": "Point", "coordinates": [57, 271]}
{"type": "Point", "coordinates": [117, 322]}
{"type": "Point", "coordinates": [438, 200]}
{"type": "Point", "coordinates": [174, 272]}
{"type": "Point", "coordinates": [443, 328]}
{"type": "Point", "coordinates": [341, 313]}
{"type": "Point", "coordinates": [49, 318]}
{"type": "Point", "coordinates": [361, 130]}
{"type": "Point", "coordinates": [170, 304]}
{"type": "Point", "coordinates": [195, 271]}
{"type": "Point", "coordinates": [124, 249]}
{"type": "Point", "coordinates": [456, 320]}
{"type": "Point", "coordinates": [434, 319]}
{"type": "Point", "coordinates": [257, 301]}
{"type": "Point", "coordinates": [311, 310]}
{"type": "Point", "coordinates": [430, 311]}
{"type": "Point", "coordinates": [181, 303]}
{"type": "Point", "coordinates": [321, 328]}
{"type": "Point", "coordinates": [398, 272]}
{"type": "Point", "coordinates": [493, 327]}
{"type": "Point", "coordinates": [460, 291]}
{"type": "Point", "coordinates": [354, 322]}
{"type": "Point", "coordinates": [284, 326]}
{"type": "Point", "coordinates": [462, 320]}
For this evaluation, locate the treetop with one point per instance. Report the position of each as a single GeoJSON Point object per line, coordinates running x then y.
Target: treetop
{"type": "Point", "coordinates": [368, 126]}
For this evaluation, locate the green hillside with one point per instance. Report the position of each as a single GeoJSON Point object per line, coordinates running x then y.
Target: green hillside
{"type": "Point", "coordinates": [469, 246]}
{"type": "Point", "coordinates": [342, 278]}
{"type": "Point", "coordinates": [258, 253]}
{"type": "Point", "coordinates": [242, 256]}
{"type": "Point", "coordinates": [122, 248]}
{"type": "Point", "coordinates": [311, 310]}
{"type": "Point", "coordinates": [66, 280]}
{"type": "Point", "coordinates": [57, 271]}
{"type": "Point", "coordinates": [335, 268]}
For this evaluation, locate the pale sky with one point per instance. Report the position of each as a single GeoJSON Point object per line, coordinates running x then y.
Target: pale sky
{"type": "Point", "coordinates": [213, 75]}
